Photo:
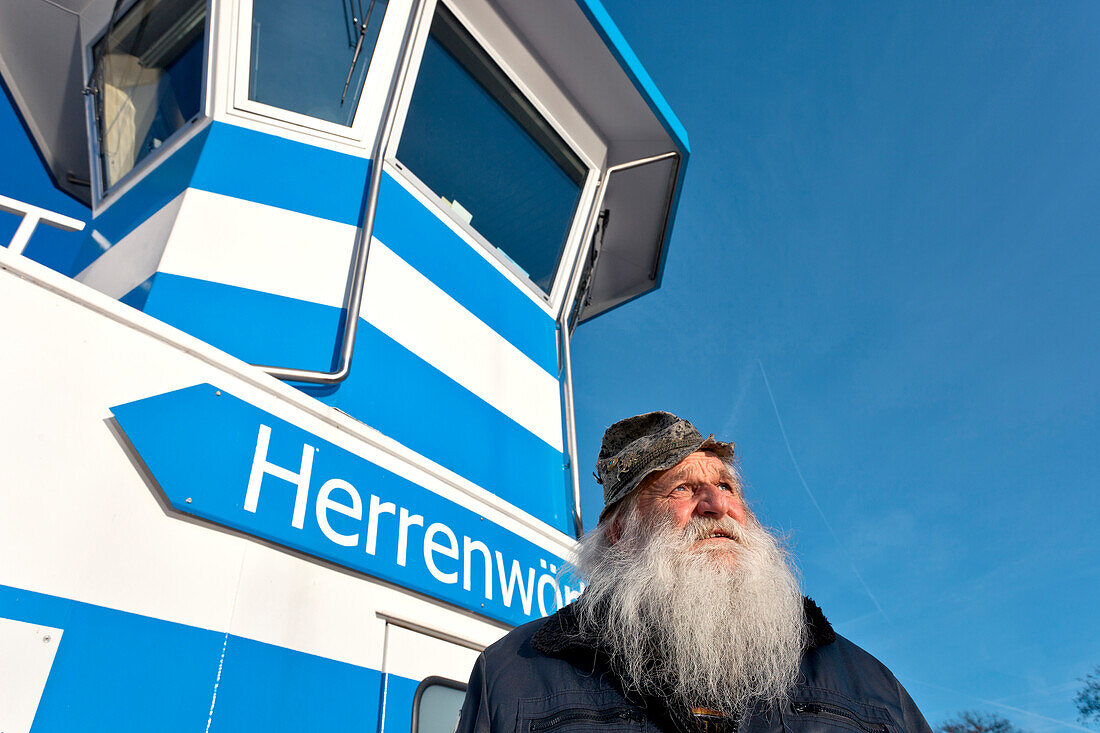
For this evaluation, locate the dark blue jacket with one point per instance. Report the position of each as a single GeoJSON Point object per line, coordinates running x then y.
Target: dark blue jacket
{"type": "Point", "coordinates": [544, 677]}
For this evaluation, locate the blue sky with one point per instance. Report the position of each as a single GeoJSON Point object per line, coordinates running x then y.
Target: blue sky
{"type": "Point", "coordinates": [883, 286]}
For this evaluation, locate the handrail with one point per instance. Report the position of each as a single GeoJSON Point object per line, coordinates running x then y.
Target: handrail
{"type": "Point", "coordinates": [366, 225]}
{"type": "Point", "coordinates": [31, 216]}
{"type": "Point", "coordinates": [566, 330]}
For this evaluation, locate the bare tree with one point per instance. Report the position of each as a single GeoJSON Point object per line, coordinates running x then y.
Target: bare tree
{"type": "Point", "coordinates": [1087, 698]}
{"type": "Point", "coordinates": [974, 721]}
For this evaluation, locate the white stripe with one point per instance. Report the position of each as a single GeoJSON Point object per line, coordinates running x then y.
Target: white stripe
{"type": "Point", "coordinates": [235, 242]}
{"type": "Point", "coordinates": [226, 240]}
{"type": "Point", "coordinates": [132, 260]}
{"type": "Point", "coordinates": [410, 309]}
{"type": "Point", "coordinates": [28, 652]}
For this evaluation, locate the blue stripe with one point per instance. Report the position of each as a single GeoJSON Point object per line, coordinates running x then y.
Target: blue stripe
{"type": "Point", "coordinates": [270, 170]}
{"type": "Point", "coordinates": [430, 246]}
{"type": "Point", "coordinates": [127, 673]}
{"type": "Point", "coordinates": [268, 688]}
{"type": "Point", "coordinates": [260, 328]}
{"type": "Point", "coordinates": [116, 671]}
{"type": "Point", "coordinates": [624, 54]}
{"type": "Point", "coordinates": [400, 692]}
{"type": "Point", "coordinates": [390, 388]}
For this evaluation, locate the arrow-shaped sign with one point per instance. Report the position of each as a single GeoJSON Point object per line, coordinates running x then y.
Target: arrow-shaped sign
{"type": "Point", "coordinates": [220, 458]}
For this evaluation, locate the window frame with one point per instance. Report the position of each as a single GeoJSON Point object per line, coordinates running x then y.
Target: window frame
{"type": "Point", "coordinates": [550, 301]}
{"type": "Point", "coordinates": [425, 683]}
{"type": "Point", "coordinates": [102, 195]}
{"type": "Point", "coordinates": [362, 120]}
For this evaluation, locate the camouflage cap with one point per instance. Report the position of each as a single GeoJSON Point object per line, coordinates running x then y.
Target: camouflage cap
{"type": "Point", "coordinates": [637, 446]}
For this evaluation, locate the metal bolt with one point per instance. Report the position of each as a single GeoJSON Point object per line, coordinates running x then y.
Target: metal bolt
{"type": "Point", "coordinates": [218, 392]}
{"type": "Point", "coordinates": [189, 500]}
{"type": "Point", "coordinates": [46, 639]}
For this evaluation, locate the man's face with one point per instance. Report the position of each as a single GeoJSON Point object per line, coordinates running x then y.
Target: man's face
{"type": "Point", "coordinates": [664, 570]}
{"type": "Point", "coordinates": [701, 485]}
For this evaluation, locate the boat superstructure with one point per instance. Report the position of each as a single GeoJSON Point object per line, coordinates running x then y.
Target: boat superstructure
{"type": "Point", "coordinates": [291, 438]}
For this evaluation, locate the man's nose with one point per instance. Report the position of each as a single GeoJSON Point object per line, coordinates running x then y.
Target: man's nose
{"type": "Point", "coordinates": [715, 502]}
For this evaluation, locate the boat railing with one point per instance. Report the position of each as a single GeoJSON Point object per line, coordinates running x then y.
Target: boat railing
{"type": "Point", "coordinates": [32, 215]}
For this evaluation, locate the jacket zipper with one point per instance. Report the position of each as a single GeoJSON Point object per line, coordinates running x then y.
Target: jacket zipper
{"type": "Point", "coordinates": [813, 708]}
{"type": "Point", "coordinates": [600, 716]}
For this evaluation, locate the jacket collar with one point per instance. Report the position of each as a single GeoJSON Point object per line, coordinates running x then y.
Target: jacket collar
{"type": "Point", "coordinates": [561, 636]}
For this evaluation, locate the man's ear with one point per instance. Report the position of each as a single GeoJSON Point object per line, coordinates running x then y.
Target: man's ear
{"type": "Point", "coordinates": [614, 530]}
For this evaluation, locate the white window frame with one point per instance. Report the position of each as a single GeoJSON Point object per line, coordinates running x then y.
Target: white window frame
{"type": "Point", "coordinates": [362, 122]}
{"type": "Point", "coordinates": [551, 302]}
{"type": "Point", "coordinates": [103, 197]}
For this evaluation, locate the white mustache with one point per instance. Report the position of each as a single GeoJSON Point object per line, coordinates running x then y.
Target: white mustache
{"type": "Point", "coordinates": [700, 528]}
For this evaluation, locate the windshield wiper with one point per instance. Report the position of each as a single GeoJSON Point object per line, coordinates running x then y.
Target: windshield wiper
{"type": "Point", "coordinates": [358, 46]}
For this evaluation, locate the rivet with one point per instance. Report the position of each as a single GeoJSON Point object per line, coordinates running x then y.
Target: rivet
{"type": "Point", "coordinates": [46, 639]}
{"type": "Point", "coordinates": [189, 500]}
{"type": "Point", "coordinates": [218, 392]}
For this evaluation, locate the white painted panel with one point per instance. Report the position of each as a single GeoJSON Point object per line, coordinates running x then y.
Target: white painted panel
{"type": "Point", "coordinates": [292, 603]}
{"type": "Point", "coordinates": [78, 521]}
{"type": "Point", "coordinates": [134, 258]}
{"type": "Point", "coordinates": [236, 242]}
{"type": "Point", "coordinates": [414, 655]}
{"type": "Point", "coordinates": [409, 308]}
{"type": "Point", "coordinates": [26, 656]}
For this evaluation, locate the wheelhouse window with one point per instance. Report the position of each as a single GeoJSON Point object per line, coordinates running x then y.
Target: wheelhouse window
{"type": "Point", "coordinates": [148, 80]}
{"type": "Point", "coordinates": [474, 139]}
{"type": "Point", "coordinates": [312, 57]}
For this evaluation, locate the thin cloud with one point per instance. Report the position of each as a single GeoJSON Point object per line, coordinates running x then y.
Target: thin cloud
{"type": "Point", "coordinates": [996, 704]}
{"type": "Point", "coordinates": [813, 499]}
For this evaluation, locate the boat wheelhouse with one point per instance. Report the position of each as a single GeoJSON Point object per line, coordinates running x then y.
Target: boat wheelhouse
{"type": "Point", "coordinates": [291, 436]}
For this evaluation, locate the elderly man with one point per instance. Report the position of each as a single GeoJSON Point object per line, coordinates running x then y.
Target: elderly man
{"type": "Point", "coordinates": [692, 620]}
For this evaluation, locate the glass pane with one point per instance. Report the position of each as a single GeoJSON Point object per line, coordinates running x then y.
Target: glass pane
{"type": "Point", "coordinates": [304, 53]}
{"type": "Point", "coordinates": [149, 79]}
{"type": "Point", "coordinates": [475, 140]}
{"type": "Point", "coordinates": [439, 709]}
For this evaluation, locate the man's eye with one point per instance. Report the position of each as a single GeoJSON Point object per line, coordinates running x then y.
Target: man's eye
{"type": "Point", "coordinates": [681, 488]}
{"type": "Point", "coordinates": [725, 487]}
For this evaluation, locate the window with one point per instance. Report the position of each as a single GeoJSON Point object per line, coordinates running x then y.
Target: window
{"type": "Point", "coordinates": [148, 79]}
{"type": "Point", "coordinates": [437, 705]}
{"type": "Point", "coordinates": [312, 57]}
{"type": "Point", "coordinates": [474, 139]}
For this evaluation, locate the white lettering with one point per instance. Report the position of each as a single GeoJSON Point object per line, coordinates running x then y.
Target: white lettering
{"type": "Point", "coordinates": [260, 466]}
{"type": "Point", "coordinates": [517, 576]}
{"type": "Point", "coordinates": [572, 595]}
{"type": "Point", "coordinates": [468, 547]}
{"type": "Point", "coordinates": [407, 520]}
{"type": "Point", "coordinates": [550, 580]}
{"type": "Point", "coordinates": [377, 507]}
{"type": "Point", "coordinates": [325, 503]}
{"type": "Point", "coordinates": [449, 550]}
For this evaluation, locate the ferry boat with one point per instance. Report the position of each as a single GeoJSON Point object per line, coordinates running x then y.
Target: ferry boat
{"type": "Point", "coordinates": [291, 438]}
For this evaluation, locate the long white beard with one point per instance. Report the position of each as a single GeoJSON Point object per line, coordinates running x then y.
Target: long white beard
{"type": "Point", "coordinates": [686, 622]}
